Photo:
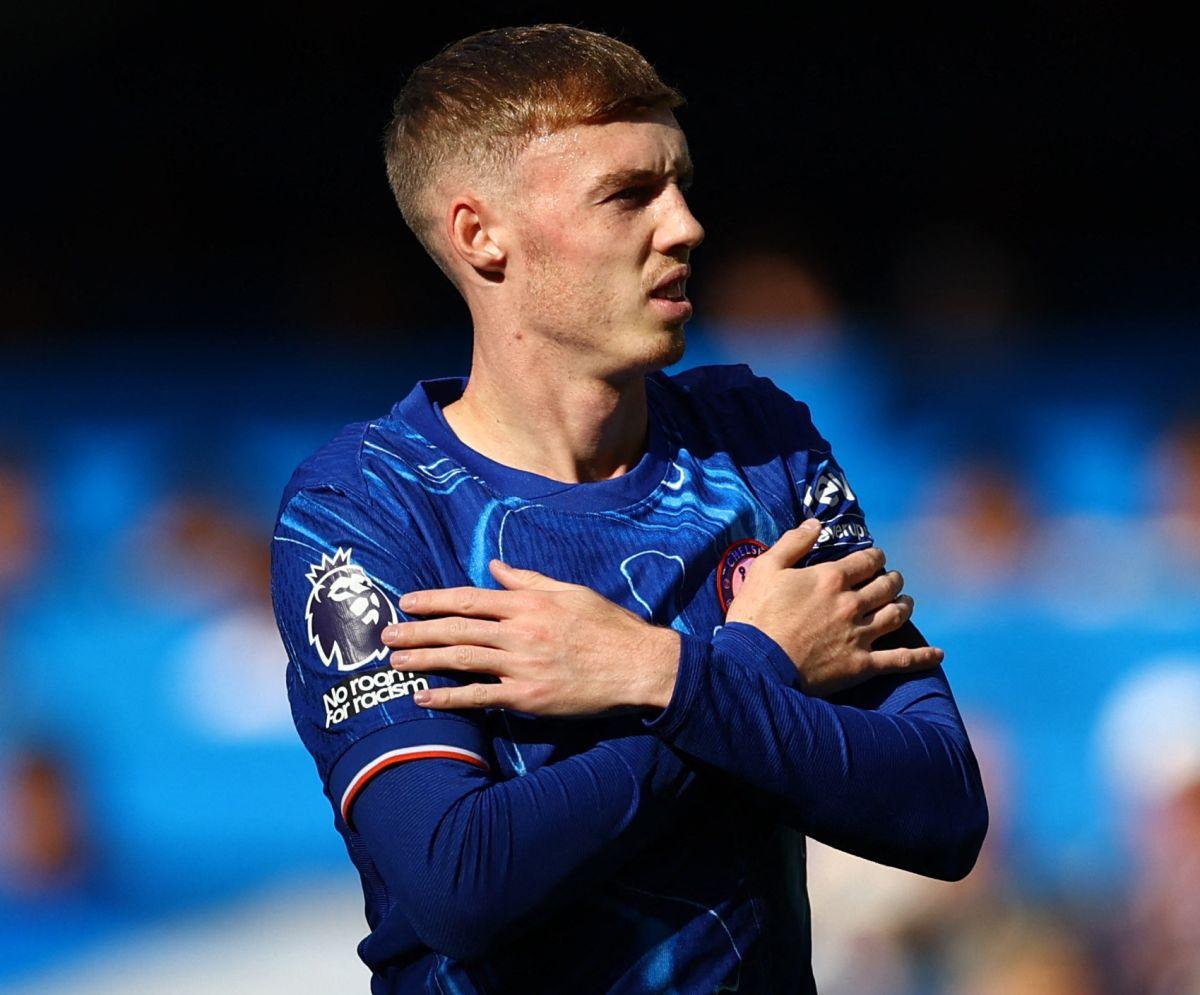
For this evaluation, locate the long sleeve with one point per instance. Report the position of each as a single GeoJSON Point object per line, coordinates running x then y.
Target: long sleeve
{"type": "Point", "coordinates": [891, 778]}
{"type": "Point", "coordinates": [469, 858]}
{"type": "Point", "coordinates": [462, 855]}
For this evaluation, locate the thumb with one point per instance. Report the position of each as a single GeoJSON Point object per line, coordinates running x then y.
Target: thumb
{"type": "Point", "coordinates": [795, 543]}
{"type": "Point", "coordinates": [516, 578]}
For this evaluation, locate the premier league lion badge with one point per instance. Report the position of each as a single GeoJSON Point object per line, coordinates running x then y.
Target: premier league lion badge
{"type": "Point", "coordinates": [346, 613]}
{"type": "Point", "coordinates": [732, 567]}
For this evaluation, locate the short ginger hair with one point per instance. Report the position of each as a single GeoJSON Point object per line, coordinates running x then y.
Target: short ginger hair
{"type": "Point", "coordinates": [476, 105]}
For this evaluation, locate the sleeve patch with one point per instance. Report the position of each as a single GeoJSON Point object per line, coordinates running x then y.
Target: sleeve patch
{"type": "Point", "coordinates": [829, 490]}
{"type": "Point", "coordinates": [354, 695]}
{"type": "Point", "coordinates": [346, 612]}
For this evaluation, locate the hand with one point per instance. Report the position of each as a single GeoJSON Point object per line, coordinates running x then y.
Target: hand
{"type": "Point", "coordinates": [826, 617]}
{"type": "Point", "coordinates": [557, 648]}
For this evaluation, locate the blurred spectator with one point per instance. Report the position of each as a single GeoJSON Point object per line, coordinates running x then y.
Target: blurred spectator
{"type": "Point", "coordinates": [1148, 737]}
{"type": "Point", "coordinates": [1039, 952]}
{"type": "Point", "coordinates": [882, 931]}
{"type": "Point", "coordinates": [42, 849]}
{"type": "Point", "coordinates": [181, 734]}
{"type": "Point", "coordinates": [761, 288]}
{"type": "Point", "coordinates": [1175, 477]}
{"type": "Point", "coordinates": [959, 287]}
{"type": "Point", "coordinates": [21, 556]}
{"type": "Point", "coordinates": [193, 550]}
{"type": "Point", "coordinates": [955, 341]}
{"type": "Point", "coordinates": [20, 523]}
{"type": "Point", "coordinates": [196, 553]}
{"type": "Point", "coordinates": [975, 535]}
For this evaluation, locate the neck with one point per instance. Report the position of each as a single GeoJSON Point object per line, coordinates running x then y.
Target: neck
{"type": "Point", "coordinates": [531, 407]}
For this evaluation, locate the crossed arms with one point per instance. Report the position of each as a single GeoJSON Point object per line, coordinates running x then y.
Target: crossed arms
{"type": "Point", "coordinates": [883, 768]}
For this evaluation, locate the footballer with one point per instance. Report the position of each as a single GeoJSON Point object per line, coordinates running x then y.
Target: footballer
{"type": "Point", "coordinates": [584, 651]}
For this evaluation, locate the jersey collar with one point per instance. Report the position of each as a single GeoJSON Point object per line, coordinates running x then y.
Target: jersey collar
{"type": "Point", "coordinates": [421, 409]}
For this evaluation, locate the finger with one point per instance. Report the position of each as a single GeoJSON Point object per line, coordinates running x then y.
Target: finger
{"type": "Point", "coordinates": [889, 617]}
{"type": "Point", "coordinates": [905, 658]}
{"type": "Point", "coordinates": [480, 659]}
{"type": "Point", "coordinates": [794, 543]}
{"type": "Point", "coordinates": [481, 602]}
{"type": "Point", "coordinates": [446, 631]}
{"type": "Point", "coordinates": [471, 696]}
{"type": "Point", "coordinates": [862, 565]}
{"type": "Point", "coordinates": [880, 591]}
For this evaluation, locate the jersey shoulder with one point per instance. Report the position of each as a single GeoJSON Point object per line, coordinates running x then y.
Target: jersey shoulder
{"type": "Point", "coordinates": [371, 464]}
{"type": "Point", "coordinates": [713, 379]}
{"type": "Point", "coordinates": [342, 554]}
{"type": "Point", "coordinates": [337, 465]}
{"type": "Point", "coordinates": [771, 436]}
{"type": "Point", "coordinates": [734, 402]}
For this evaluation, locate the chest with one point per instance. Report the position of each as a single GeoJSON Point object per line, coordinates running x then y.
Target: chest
{"type": "Point", "coordinates": [675, 560]}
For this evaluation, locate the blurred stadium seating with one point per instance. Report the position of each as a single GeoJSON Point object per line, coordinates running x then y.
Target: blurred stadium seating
{"type": "Point", "coordinates": [1047, 523]}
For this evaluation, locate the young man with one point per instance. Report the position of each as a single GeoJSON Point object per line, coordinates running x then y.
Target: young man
{"type": "Point", "coordinates": [602, 737]}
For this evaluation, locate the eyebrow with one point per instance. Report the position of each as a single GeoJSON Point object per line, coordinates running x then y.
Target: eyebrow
{"type": "Point", "coordinates": [683, 170]}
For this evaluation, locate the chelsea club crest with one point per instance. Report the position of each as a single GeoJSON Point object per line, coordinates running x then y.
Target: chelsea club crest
{"type": "Point", "coordinates": [732, 567]}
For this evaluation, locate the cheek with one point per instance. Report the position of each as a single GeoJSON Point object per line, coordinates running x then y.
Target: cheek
{"type": "Point", "coordinates": [557, 237]}
{"type": "Point", "coordinates": [557, 256]}
{"type": "Point", "coordinates": [585, 269]}
{"type": "Point", "coordinates": [549, 258]}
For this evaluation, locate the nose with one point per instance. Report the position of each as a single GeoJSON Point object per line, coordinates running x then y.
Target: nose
{"type": "Point", "coordinates": [679, 226]}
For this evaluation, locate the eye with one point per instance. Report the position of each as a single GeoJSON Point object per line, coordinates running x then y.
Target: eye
{"type": "Point", "coordinates": [634, 193]}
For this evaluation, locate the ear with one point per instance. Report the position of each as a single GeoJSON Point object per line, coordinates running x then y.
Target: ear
{"type": "Point", "coordinates": [473, 236]}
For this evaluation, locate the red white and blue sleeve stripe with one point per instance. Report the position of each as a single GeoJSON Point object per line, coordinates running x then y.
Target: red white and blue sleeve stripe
{"type": "Point", "coordinates": [442, 737]}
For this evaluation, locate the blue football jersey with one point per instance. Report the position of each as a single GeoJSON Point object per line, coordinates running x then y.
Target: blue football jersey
{"type": "Point", "coordinates": [718, 900]}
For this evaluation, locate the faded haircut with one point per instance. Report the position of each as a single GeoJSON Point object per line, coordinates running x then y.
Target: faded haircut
{"type": "Point", "coordinates": [476, 105]}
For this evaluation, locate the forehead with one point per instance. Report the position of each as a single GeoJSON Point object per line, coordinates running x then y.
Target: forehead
{"type": "Point", "coordinates": [582, 154]}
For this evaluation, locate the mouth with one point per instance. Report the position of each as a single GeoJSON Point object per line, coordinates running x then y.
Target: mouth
{"type": "Point", "coordinates": [673, 286]}
{"type": "Point", "coordinates": [671, 292]}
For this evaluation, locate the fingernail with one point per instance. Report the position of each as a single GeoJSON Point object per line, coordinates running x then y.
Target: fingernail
{"type": "Point", "coordinates": [390, 632]}
{"type": "Point", "coordinates": [407, 601]}
{"type": "Point", "coordinates": [422, 697]}
{"type": "Point", "coordinates": [399, 659]}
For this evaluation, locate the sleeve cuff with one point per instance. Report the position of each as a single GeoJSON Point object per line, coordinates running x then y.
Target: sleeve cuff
{"type": "Point", "coordinates": [448, 737]}
{"type": "Point", "coordinates": [693, 658]}
{"type": "Point", "coordinates": [752, 647]}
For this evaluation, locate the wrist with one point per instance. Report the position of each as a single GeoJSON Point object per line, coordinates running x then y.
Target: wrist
{"type": "Point", "coordinates": [659, 668]}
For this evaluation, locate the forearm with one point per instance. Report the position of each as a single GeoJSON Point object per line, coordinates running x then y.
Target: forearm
{"type": "Point", "coordinates": [898, 787]}
{"type": "Point", "coordinates": [472, 859]}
